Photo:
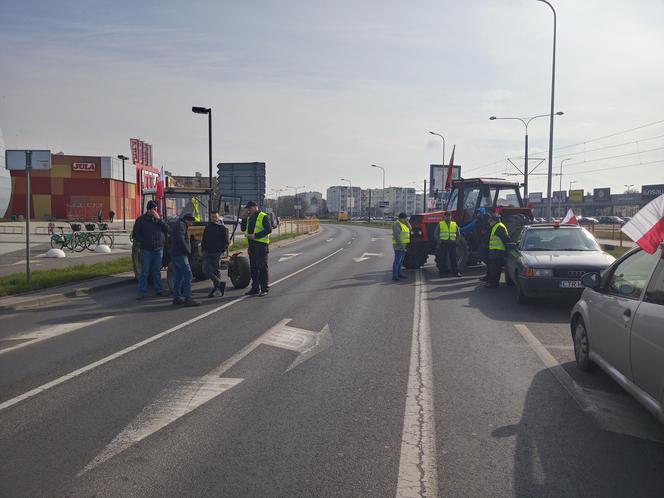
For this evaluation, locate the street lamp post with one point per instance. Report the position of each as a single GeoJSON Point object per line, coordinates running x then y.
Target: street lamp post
{"type": "Point", "coordinates": [439, 135]}
{"type": "Point", "coordinates": [553, 93]}
{"type": "Point", "coordinates": [560, 183]}
{"type": "Point", "coordinates": [351, 197]}
{"type": "Point", "coordinates": [124, 194]}
{"type": "Point", "coordinates": [382, 196]}
{"type": "Point", "coordinates": [295, 201]}
{"type": "Point", "coordinates": [278, 192]}
{"type": "Point", "coordinates": [526, 122]}
{"type": "Point", "coordinates": [208, 111]}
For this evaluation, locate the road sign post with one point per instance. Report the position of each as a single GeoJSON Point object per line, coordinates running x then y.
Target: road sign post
{"type": "Point", "coordinates": [28, 168]}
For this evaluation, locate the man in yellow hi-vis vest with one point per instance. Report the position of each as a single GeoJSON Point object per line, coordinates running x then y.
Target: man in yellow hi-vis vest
{"type": "Point", "coordinates": [257, 228]}
{"type": "Point", "coordinates": [498, 239]}
{"type": "Point", "coordinates": [400, 240]}
{"type": "Point", "coordinates": [447, 236]}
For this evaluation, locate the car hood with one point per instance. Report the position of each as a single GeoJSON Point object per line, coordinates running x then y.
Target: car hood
{"type": "Point", "coordinates": [548, 259]}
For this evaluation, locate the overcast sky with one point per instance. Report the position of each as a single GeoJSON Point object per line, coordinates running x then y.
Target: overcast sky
{"type": "Point", "coordinates": [321, 90]}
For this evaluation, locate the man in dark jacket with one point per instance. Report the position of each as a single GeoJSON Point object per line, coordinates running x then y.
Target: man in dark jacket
{"type": "Point", "coordinates": [257, 227]}
{"type": "Point", "coordinates": [150, 232]}
{"type": "Point", "coordinates": [497, 246]}
{"type": "Point", "coordinates": [180, 252]}
{"type": "Point", "coordinates": [215, 241]}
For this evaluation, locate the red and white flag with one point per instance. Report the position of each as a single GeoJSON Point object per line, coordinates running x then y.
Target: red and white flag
{"type": "Point", "coordinates": [570, 218]}
{"type": "Point", "coordinates": [647, 226]}
{"type": "Point", "coordinates": [450, 172]}
{"type": "Point", "coordinates": [161, 183]}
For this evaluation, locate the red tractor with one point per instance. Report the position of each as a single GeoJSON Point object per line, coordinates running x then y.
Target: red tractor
{"type": "Point", "coordinates": [467, 200]}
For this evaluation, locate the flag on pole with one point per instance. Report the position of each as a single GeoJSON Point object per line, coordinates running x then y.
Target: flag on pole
{"type": "Point", "coordinates": [570, 218]}
{"type": "Point", "coordinates": [450, 169]}
{"type": "Point", "coordinates": [646, 228]}
{"type": "Point", "coordinates": [160, 185]}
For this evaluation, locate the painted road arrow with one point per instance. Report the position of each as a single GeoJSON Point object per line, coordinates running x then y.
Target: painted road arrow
{"type": "Point", "coordinates": [288, 256]}
{"type": "Point", "coordinates": [185, 396]}
{"type": "Point", "coordinates": [367, 255]}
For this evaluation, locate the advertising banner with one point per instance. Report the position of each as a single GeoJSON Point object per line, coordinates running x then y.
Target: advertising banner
{"type": "Point", "coordinates": [150, 155]}
{"type": "Point", "coordinates": [576, 195]}
{"type": "Point", "coordinates": [649, 192]}
{"type": "Point", "coordinates": [602, 194]}
{"type": "Point", "coordinates": [535, 197]}
{"type": "Point", "coordinates": [16, 159]}
{"type": "Point", "coordinates": [133, 144]}
{"type": "Point", "coordinates": [559, 196]}
{"type": "Point", "coordinates": [438, 176]}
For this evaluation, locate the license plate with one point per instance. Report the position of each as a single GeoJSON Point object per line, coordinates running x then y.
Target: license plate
{"type": "Point", "coordinates": [571, 284]}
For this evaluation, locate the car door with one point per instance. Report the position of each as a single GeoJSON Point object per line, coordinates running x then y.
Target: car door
{"type": "Point", "coordinates": [647, 338]}
{"type": "Point", "coordinates": [614, 309]}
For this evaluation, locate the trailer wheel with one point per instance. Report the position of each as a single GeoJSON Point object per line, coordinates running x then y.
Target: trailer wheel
{"type": "Point", "coordinates": [239, 271]}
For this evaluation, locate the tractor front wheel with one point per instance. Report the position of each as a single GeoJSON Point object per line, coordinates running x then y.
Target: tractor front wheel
{"type": "Point", "coordinates": [239, 271]}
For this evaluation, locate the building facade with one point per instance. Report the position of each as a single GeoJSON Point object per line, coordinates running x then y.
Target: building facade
{"type": "Point", "coordinates": [314, 203]}
{"type": "Point", "coordinates": [341, 198]}
{"type": "Point", "coordinates": [5, 180]}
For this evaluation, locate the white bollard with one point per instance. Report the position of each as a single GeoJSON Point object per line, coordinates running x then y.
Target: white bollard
{"type": "Point", "coordinates": [103, 248]}
{"type": "Point", "coordinates": [55, 253]}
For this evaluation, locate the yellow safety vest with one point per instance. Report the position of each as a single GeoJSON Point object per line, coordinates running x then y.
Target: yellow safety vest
{"type": "Point", "coordinates": [404, 236]}
{"type": "Point", "coordinates": [197, 209]}
{"type": "Point", "coordinates": [259, 223]}
{"type": "Point", "coordinates": [447, 232]}
{"type": "Point", "coordinates": [495, 242]}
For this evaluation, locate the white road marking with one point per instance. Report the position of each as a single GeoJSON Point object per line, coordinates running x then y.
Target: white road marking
{"type": "Point", "coordinates": [374, 239]}
{"type": "Point", "coordinates": [185, 396]}
{"type": "Point", "coordinates": [289, 256]}
{"type": "Point", "coordinates": [46, 333]}
{"type": "Point", "coordinates": [612, 412]}
{"type": "Point", "coordinates": [60, 380]}
{"type": "Point", "coordinates": [367, 255]}
{"type": "Point", "coordinates": [417, 464]}
{"type": "Point", "coordinates": [330, 240]}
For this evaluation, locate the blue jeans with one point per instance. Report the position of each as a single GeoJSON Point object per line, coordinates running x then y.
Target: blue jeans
{"type": "Point", "coordinates": [150, 265]}
{"type": "Point", "coordinates": [182, 279]}
{"type": "Point", "coordinates": [399, 256]}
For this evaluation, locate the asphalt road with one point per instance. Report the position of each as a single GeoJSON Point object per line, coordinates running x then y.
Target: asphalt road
{"type": "Point", "coordinates": [340, 382]}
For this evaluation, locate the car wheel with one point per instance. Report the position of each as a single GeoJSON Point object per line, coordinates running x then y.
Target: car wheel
{"type": "Point", "coordinates": [582, 347]}
{"type": "Point", "coordinates": [521, 298]}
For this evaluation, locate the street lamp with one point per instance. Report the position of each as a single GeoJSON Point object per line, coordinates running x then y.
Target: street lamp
{"type": "Point", "coordinates": [351, 197]}
{"type": "Point", "coordinates": [383, 192]}
{"type": "Point", "coordinates": [560, 183]}
{"type": "Point", "coordinates": [553, 93]}
{"type": "Point", "coordinates": [124, 195]}
{"type": "Point", "coordinates": [208, 111]}
{"type": "Point", "coordinates": [295, 202]}
{"type": "Point", "coordinates": [526, 122]}
{"type": "Point", "coordinates": [439, 135]}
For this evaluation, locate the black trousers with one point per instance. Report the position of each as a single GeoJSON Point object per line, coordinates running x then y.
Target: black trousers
{"type": "Point", "coordinates": [445, 250]}
{"type": "Point", "coordinates": [258, 263]}
{"type": "Point", "coordinates": [494, 269]}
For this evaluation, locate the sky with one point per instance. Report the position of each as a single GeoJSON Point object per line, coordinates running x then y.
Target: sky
{"type": "Point", "coordinates": [321, 90]}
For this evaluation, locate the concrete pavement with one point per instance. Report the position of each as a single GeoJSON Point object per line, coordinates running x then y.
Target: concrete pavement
{"type": "Point", "coordinates": [425, 387]}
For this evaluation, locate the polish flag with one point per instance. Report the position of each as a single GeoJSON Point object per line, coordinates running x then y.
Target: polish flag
{"type": "Point", "coordinates": [647, 226]}
{"type": "Point", "coordinates": [160, 185]}
{"type": "Point", "coordinates": [450, 171]}
{"type": "Point", "coordinates": [569, 218]}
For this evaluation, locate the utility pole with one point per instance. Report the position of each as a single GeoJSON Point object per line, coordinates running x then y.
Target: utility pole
{"type": "Point", "coordinates": [28, 169]}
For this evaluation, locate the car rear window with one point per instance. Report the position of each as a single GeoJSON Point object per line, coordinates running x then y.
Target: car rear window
{"type": "Point", "coordinates": [559, 239]}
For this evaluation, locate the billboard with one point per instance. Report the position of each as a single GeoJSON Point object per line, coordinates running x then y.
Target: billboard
{"type": "Point", "coordinates": [559, 196]}
{"type": "Point", "coordinates": [535, 197]}
{"type": "Point", "coordinates": [437, 177]}
{"type": "Point", "coordinates": [16, 159]}
{"type": "Point", "coordinates": [649, 192]}
{"type": "Point", "coordinates": [602, 194]}
{"type": "Point", "coordinates": [141, 152]}
{"type": "Point", "coordinates": [133, 144]}
{"type": "Point", "coordinates": [576, 195]}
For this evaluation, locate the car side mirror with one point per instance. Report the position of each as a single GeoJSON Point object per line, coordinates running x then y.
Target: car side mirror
{"type": "Point", "coordinates": [592, 280]}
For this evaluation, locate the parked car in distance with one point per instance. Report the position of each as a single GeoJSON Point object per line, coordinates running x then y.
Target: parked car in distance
{"type": "Point", "coordinates": [618, 325]}
{"type": "Point", "coordinates": [587, 220]}
{"type": "Point", "coordinates": [626, 219]}
{"type": "Point", "coordinates": [549, 261]}
{"type": "Point", "coordinates": [610, 220]}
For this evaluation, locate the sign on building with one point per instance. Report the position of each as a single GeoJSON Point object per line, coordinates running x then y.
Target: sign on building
{"type": "Point", "coordinates": [85, 167]}
{"type": "Point", "coordinates": [602, 194]}
{"type": "Point", "coordinates": [17, 159]}
{"type": "Point", "coordinates": [649, 192]}
{"type": "Point", "coordinates": [576, 196]}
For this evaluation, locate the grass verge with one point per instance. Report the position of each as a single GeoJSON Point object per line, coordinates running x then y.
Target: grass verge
{"type": "Point", "coordinates": [616, 252]}
{"type": "Point", "coordinates": [42, 279]}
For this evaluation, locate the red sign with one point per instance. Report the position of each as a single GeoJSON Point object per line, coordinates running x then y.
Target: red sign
{"type": "Point", "coordinates": [133, 142]}
{"type": "Point", "coordinates": [84, 167]}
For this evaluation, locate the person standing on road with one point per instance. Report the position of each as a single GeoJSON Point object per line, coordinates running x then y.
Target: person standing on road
{"type": "Point", "coordinates": [400, 239]}
{"type": "Point", "coordinates": [446, 235]}
{"type": "Point", "coordinates": [111, 215]}
{"type": "Point", "coordinates": [498, 239]}
{"type": "Point", "coordinates": [150, 232]}
{"type": "Point", "coordinates": [257, 227]}
{"type": "Point", "coordinates": [100, 216]}
{"type": "Point", "coordinates": [180, 252]}
{"type": "Point", "coordinates": [215, 242]}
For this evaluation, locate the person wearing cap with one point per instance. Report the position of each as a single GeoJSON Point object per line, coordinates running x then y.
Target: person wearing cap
{"type": "Point", "coordinates": [446, 235]}
{"type": "Point", "coordinates": [497, 245]}
{"type": "Point", "coordinates": [257, 228]}
{"type": "Point", "coordinates": [180, 252]}
{"type": "Point", "coordinates": [150, 232]}
{"type": "Point", "coordinates": [400, 239]}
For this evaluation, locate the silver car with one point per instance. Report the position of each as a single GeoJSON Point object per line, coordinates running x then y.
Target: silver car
{"type": "Point", "coordinates": [618, 325]}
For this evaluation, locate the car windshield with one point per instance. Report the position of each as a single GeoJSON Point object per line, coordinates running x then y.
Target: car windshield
{"type": "Point", "coordinates": [559, 239]}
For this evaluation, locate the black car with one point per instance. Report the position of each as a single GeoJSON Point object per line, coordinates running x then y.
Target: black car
{"type": "Point", "coordinates": [549, 261]}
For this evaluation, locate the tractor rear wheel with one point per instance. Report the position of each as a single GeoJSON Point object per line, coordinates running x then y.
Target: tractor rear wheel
{"type": "Point", "coordinates": [414, 260]}
{"type": "Point", "coordinates": [239, 271]}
